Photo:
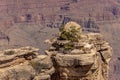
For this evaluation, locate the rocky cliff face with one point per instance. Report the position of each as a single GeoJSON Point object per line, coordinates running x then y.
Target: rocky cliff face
{"type": "Point", "coordinates": [72, 56]}
{"type": "Point", "coordinates": [30, 22]}
{"type": "Point", "coordinates": [25, 64]}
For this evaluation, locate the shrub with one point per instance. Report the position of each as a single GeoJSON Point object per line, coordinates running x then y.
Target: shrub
{"type": "Point", "coordinates": [37, 66]}
{"type": "Point", "coordinates": [72, 35]}
{"type": "Point", "coordinates": [9, 52]}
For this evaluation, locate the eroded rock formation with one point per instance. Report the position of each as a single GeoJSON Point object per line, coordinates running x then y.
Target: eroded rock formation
{"type": "Point", "coordinates": [25, 64]}
{"type": "Point", "coordinates": [72, 56]}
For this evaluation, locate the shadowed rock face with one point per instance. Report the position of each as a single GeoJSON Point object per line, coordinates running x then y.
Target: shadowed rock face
{"type": "Point", "coordinates": [30, 22]}
{"type": "Point", "coordinates": [83, 57]}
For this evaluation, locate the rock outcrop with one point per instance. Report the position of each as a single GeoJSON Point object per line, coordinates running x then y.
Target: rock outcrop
{"type": "Point", "coordinates": [25, 64]}
{"type": "Point", "coordinates": [79, 56]}
{"type": "Point", "coordinates": [72, 56]}
{"type": "Point", "coordinates": [30, 22]}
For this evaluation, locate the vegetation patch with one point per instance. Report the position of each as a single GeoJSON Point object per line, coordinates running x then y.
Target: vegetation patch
{"type": "Point", "coordinates": [38, 66]}
{"type": "Point", "coordinates": [9, 52]}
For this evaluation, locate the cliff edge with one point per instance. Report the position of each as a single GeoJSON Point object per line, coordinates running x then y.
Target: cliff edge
{"type": "Point", "coordinates": [73, 55]}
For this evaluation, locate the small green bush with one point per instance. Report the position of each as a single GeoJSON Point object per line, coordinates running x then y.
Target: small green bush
{"type": "Point", "coordinates": [71, 35]}
{"type": "Point", "coordinates": [69, 46]}
{"type": "Point", "coordinates": [9, 52]}
{"type": "Point", "coordinates": [37, 66]}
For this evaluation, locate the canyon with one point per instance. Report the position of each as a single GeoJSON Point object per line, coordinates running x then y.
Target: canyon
{"type": "Point", "coordinates": [30, 22]}
{"type": "Point", "coordinates": [72, 56]}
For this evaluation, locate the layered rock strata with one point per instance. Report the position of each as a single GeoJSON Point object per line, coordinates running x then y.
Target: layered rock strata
{"type": "Point", "coordinates": [72, 56]}
{"type": "Point", "coordinates": [79, 56]}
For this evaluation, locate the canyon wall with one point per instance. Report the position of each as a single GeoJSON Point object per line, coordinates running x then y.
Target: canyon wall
{"type": "Point", "coordinates": [30, 22]}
